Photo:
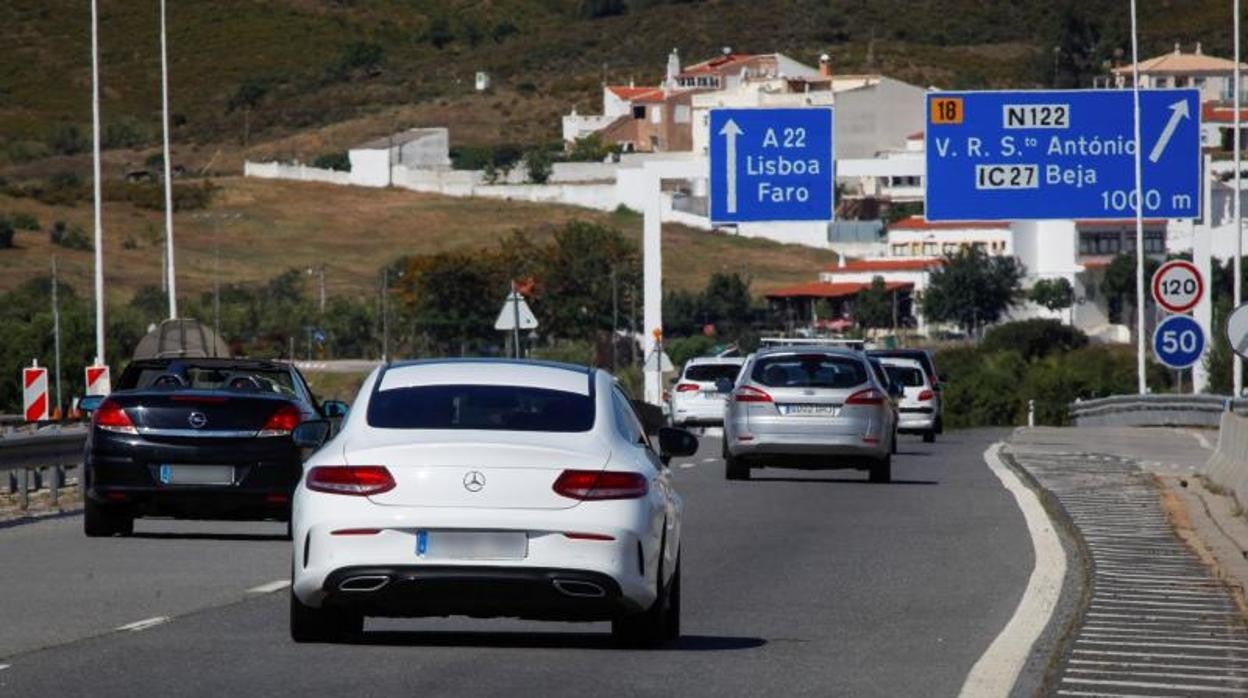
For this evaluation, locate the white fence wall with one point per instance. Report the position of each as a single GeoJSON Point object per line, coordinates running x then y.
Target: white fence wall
{"type": "Point", "coordinates": [302, 173]}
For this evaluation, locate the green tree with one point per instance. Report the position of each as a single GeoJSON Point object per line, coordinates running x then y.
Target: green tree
{"type": "Point", "coordinates": [874, 306]}
{"type": "Point", "coordinates": [539, 165]}
{"type": "Point", "coordinates": [1054, 294]}
{"type": "Point", "coordinates": [972, 289]}
{"type": "Point", "coordinates": [7, 231]}
{"type": "Point", "coordinates": [591, 148]}
{"type": "Point", "coordinates": [575, 279]}
{"type": "Point", "coordinates": [503, 30]}
{"type": "Point", "coordinates": [726, 302]}
{"type": "Point", "coordinates": [246, 97]}
{"type": "Point", "coordinates": [452, 299]}
{"type": "Point", "coordinates": [1118, 285]}
{"type": "Point", "coordinates": [440, 33]}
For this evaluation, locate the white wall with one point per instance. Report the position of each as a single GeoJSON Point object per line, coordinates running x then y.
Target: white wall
{"type": "Point", "coordinates": [302, 173]}
{"type": "Point", "coordinates": [370, 168]}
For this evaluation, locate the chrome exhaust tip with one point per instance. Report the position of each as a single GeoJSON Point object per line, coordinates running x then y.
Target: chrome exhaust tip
{"type": "Point", "coordinates": [364, 583]}
{"type": "Point", "coordinates": [579, 589]}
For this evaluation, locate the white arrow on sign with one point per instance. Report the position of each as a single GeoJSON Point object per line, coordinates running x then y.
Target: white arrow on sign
{"type": "Point", "coordinates": [730, 131]}
{"type": "Point", "coordinates": [1178, 112]}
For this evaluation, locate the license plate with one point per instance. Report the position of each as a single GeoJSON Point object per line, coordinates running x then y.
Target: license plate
{"type": "Point", "coordinates": [472, 545]}
{"type": "Point", "coordinates": [814, 410]}
{"type": "Point", "coordinates": [196, 474]}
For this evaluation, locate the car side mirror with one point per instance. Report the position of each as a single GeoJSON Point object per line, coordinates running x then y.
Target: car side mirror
{"type": "Point", "coordinates": [676, 443]}
{"type": "Point", "coordinates": [651, 416]}
{"type": "Point", "coordinates": [90, 403]}
{"type": "Point", "coordinates": [335, 409]}
{"type": "Point", "coordinates": [723, 385]}
{"type": "Point", "coordinates": [896, 390]}
{"type": "Point", "coordinates": [311, 434]}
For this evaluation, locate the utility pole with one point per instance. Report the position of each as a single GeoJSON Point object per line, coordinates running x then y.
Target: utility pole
{"type": "Point", "coordinates": [515, 319]}
{"type": "Point", "coordinates": [95, 164]}
{"type": "Point", "coordinates": [56, 338]}
{"type": "Point", "coordinates": [1237, 362]}
{"type": "Point", "coordinates": [385, 315]}
{"type": "Point", "coordinates": [615, 320]}
{"type": "Point", "coordinates": [1141, 381]}
{"type": "Point", "coordinates": [164, 100]}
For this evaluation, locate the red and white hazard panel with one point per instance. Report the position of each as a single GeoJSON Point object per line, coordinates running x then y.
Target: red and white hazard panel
{"type": "Point", "coordinates": [35, 394]}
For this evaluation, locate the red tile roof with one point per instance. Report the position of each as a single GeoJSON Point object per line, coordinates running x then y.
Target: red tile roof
{"type": "Point", "coordinates": [921, 223]}
{"type": "Point", "coordinates": [861, 265]}
{"type": "Point", "coordinates": [916, 136]}
{"type": "Point", "coordinates": [1221, 115]}
{"type": "Point", "coordinates": [718, 62]}
{"type": "Point", "coordinates": [634, 93]}
{"type": "Point", "coordinates": [823, 289]}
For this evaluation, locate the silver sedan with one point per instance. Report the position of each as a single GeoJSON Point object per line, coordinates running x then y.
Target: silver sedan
{"type": "Point", "coordinates": [810, 408]}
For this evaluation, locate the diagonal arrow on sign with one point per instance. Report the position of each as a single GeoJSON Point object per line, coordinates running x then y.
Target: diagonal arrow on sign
{"type": "Point", "coordinates": [1178, 112]}
{"type": "Point", "coordinates": [730, 131]}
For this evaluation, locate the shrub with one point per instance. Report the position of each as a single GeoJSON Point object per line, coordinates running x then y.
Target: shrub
{"type": "Point", "coordinates": [539, 165]}
{"type": "Point", "coordinates": [568, 352]}
{"type": "Point", "coordinates": [66, 139]}
{"type": "Point", "coordinates": [25, 221]}
{"type": "Point", "coordinates": [71, 237]}
{"type": "Point", "coordinates": [333, 161]}
{"type": "Point", "coordinates": [1034, 339]}
{"type": "Point", "coordinates": [685, 348]}
{"type": "Point", "coordinates": [7, 230]}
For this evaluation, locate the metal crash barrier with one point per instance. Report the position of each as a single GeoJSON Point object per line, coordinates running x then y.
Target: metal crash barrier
{"type": "Point", "coordinates": [1154, 410]}
{"type": "Point", "coordinates": [30, 461]}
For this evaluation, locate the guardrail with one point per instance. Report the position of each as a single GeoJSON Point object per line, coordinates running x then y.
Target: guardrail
{"type": "Point", "coordinates": [1154, 410]}
{"type": "Point", "coordinates": [24, 457]}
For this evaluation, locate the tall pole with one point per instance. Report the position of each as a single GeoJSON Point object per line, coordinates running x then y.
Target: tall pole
{"type": "Point", "coordinates": [164, 100]}
{"type": "Point", "coordinates": [615, 320]}
{"type": "Point", "coordinates": [216, 279]}
{"type": "Point", "coordinates": [515, 319]}
{"type": "Point", "coordinates": [56, 339]}
{"type": "Point", "coordinates": [385, 316]}
{"type": "Point", "coordinates": [95, 163]}
{"type": "Point", "coordinates": [1237, 362]}
{"type": "Point", "coordinates": [1139, 209]}
{"type": "Point", "coordinates": [322, 289]}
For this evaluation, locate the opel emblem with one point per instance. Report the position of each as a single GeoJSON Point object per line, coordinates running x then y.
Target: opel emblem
{"type": "Point", "coordinates": [197, 420]}
{"type": "Point", "coordinates": [474, 481]}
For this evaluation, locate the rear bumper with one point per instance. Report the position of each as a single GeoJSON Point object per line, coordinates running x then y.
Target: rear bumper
{"type": "Point", "coordinates": [916, 420]}
{"type": "Point", "coordinates": [207, 503]}
{"type": "Point", "coordinates": [536, 593]}
{"type": "Point", "coordinates": [805, 448]}
{"type": "Point", "coordinates": [704, 413]}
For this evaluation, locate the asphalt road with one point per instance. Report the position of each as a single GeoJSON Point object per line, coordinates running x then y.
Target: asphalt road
{"type": "Point", "coordinates": [795, 583]}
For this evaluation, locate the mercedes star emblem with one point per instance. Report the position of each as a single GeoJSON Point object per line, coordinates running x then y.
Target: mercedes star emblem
{"type": "Point", "coordinates": [474, 481]}
{"type": "Point", "coordinates": [197, 420]}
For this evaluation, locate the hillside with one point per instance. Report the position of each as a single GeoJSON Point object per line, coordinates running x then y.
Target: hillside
{"type": "Point", "coordinates": [287, 67]}
{"type": "Point", "coordinates": [353, 232]}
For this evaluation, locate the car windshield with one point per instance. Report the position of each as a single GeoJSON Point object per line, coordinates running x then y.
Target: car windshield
{"type": "Point", "coordinates": [710, 373]}
{"type": "Point", "coordinates": [907, 376]}
{"type": "Point", "coordinates": [809, 371]}
{"type": "Point", "coordinates": [178, 375]}
{"type": "Point", "coordinates": [485, 407]}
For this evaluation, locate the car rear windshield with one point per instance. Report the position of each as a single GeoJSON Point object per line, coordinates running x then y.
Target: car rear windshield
{"type": "Point", "coordinates": [809, 371]}
{"type": "Point", "coordinates": [907, 376]}
{"type": "Point", "coordinates": [487, 407]}
{"type": "Point", "coordinates": [179, 375]}
{"type": "Point", "coordinates": [709, 373]}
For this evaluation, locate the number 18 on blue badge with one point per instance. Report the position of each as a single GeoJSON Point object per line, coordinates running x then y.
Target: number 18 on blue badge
{"type": "Point", "coordinates": [1178, 341]}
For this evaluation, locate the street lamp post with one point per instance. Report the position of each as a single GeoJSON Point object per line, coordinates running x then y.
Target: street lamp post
{"type": "Point", "coordinates": [164, 99]}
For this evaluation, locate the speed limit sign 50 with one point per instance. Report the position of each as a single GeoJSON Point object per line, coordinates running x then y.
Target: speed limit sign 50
{"type": "Point", "coordinates": [1178, 286]}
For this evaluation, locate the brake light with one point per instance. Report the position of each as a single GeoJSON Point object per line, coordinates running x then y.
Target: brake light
{"type": "Point", "coordinates": [747, 393]}
{"type": "Point", "coordinates": [588, 536]}
{"type": "Point", "coordinates": [282, 422]}
{"type": "Point", "coordinates": [870, 396]}
{"type": "Point", "coordinates": [111, 417]}
{"type": "Point", "coordinates": [592, 485]}
{"type": "Point", "coordinates": [926, 395]}
{"type": "Point", "coordinates": [354, 480]}
{"type": "Point", "coordinates": [687, 387]}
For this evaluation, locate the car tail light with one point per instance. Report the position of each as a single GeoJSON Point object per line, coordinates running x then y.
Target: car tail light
{"type": "Point", "coordinates": [282, 422]}
{"type": "Point", "coordinates": [355, 480]}
{"type": "Point", "coordinates": [926, 395]}
{"type": "Point", "coordinates": [591, 485]}
{"type": "Point", "coordinates": [747, 393]}
{"type": "Point", "coordinates": [111, 417]}
{"type": "Point", "coordinates": [870, 396]}
{"type": "Point", "coordinates": [687, 387]}
{"type": "Point", "coordinates": [356, 532]}
{"type": "Point", "coordinates": [588, 536]}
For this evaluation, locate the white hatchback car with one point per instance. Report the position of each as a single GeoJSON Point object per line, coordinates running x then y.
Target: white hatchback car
{"type": "Point", "coordinates": [919, 407]}
{"type": "Point", "coordinates": [488, 488]}
{"type": "Point", "coordinates": [697, 398]}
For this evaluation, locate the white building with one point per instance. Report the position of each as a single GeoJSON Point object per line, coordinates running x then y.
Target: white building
{"type": "Point", "coordinates": [1213, 76]}
{"type": "Point", "coordinates": [417, 148]}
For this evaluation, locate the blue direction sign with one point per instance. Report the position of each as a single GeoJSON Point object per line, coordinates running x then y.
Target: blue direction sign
{"type": "Point", "coordinates": [1178, 341]}
{"type": "Point", "coordinates": [771, 165]}
{"type": "Point", "coordinates": [1064, 154]}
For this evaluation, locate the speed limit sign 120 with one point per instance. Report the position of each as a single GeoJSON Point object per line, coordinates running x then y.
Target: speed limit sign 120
{"type": "Point", "coordinates": [1177, 286]}
{"type": "Point", "coordinates": [1178, 341]}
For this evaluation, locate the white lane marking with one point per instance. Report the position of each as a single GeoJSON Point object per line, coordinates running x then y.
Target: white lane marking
{"type": "Point", "coordinates": [1200, 439]}
{"type": "Point", "coordinates": [1159, 655]}
{"type": "Point", "coordinates": [1158, 674]}
{"type": "Point", "coordinates": [1147, 684]}
{"type": "Point", "coordinates": [1159, 635]}
{"type": "Point", "coordinates": [4, 666]}
{"type": "Point", "coordinates": [1118, 642]}
{"type": "Point", "coordinates": [1211, 604]}
{"type": "Point", "coordinates": [997, 670]}
{"type": "Point", "coordinates": [709, 460]}
{"type": "Point", "coordinates": [1151, 665]}
{"type": "Point", "coordinates": [145, 623]}
{"type": "Point", "coordinates": [271, 587]}
{"type": "Point", "coordinates": [1116, 695]}
{"type": "Point", "coordinates": [686, 466]}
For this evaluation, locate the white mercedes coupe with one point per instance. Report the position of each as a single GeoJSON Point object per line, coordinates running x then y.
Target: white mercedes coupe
{"type": "Point", "coordinates": [488, 488]}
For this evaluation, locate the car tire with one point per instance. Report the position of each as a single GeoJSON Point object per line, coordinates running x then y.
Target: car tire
{"type": "Point", "coordinates": [929, 436]}
{"type": "Point", "coordinates": [308, 624]}
{"type": "Point", "coordinates": [101, 521]}
{"type": "Point", "coordinates": [735, 468]}
{"type": "Point", "coordinates": [881, 470]}
{"type": "Point", "coordinates": [655, 626]}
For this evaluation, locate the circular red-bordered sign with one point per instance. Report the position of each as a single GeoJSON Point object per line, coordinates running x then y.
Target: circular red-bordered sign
{"type": "Point", "coordinates": [1178, 286]}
